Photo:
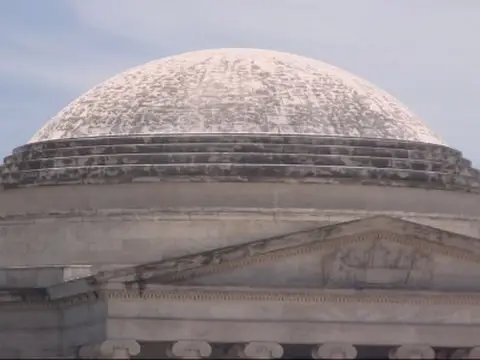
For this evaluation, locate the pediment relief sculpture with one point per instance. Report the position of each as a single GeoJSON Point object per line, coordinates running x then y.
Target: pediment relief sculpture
{"type": "Point", "coordinates": [377, 264]}
{"type": "Point", "coordinates": [377, 252]}
{"type": "Point", "coordinates": [366, 263]}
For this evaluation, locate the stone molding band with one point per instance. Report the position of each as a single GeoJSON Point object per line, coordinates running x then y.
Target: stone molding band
{"type": "Point", "coordinates": [228, 157]}
{"type": "Point", "coordinates": [219, 138]}
{"type": "Point", "coordinates": [222, 213]}
{"type": "Point", "coordinates": [294, 296]}
{"type": "Point", "coordinates": [307, 296]}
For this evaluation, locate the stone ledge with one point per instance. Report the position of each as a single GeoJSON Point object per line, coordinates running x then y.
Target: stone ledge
{"type": "Point", "coordinates": [240, 173]}
{"type": "Point", "coordinates": [309, 159]}
{"type": "Point", "coordinates": [37, 297]}
{"type": "Point", "coordinates": [235, 158]}
{"type": "Point", "coordinates": [244, 147]}
{"type": "Point", "coordinates": [40, 276]}
{"type": "Point", "coordinates": [218, 213]}
{"type": "Point", "coordinates": [190, 293]}
{"type": "Point", "coordinates": [231, 138]}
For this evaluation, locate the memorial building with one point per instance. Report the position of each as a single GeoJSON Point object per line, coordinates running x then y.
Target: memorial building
{"type": "Point", "coordinates": [238, 203]}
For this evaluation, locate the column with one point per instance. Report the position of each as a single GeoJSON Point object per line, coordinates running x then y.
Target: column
{"type": "Point", "coordinates": [334, 351]}
{"type": "Point", "coordinates": [257, 350]}
{"type": "Point", "coordinates": [412, 352]}
{"type": "Point", "coordinates": [190, 349]}
{"type": "Point", "coordinates": [110, 349]}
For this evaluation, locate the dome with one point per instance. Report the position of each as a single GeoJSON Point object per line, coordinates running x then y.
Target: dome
{"type": "Point", "coordinates": [236, 91]}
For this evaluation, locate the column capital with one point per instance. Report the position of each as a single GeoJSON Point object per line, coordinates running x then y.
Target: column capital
{"type": "Point", "coordinates": [190, 349]}
{"type": "Point", "coordinates": [257, 350]}
{"type": "Point", "coordinates": [412, 352]}
{"type": "Point", "coordinates": [334, 351]}
{"type": "Point", "coordinates": [110, 349]}
{"type": "Point", "coordinates": [263, 350]}
{"type": "Point", "coordinates": [474, 353]}
{"type": "Point", "coordinates": [466, 353]}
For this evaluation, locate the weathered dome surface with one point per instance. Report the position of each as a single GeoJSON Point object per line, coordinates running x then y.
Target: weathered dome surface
{"type": "Point", "coordinates": [236, 91]}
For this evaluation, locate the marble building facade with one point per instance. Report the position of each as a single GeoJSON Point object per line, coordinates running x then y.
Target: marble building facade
{"type": "Point", "coordinates": [350, 232]}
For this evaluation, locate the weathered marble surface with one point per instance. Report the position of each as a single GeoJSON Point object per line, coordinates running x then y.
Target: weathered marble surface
{"type": "Point", "coordinates": [76, 317]}
{"type": "Point", "coordinates": [237, 138]}
{"type": "Point", "coordinates": [237, 91]}
{"type": "Point", "coordinates": [380, 251]}
{"type": "Point", "coordinates": [352, 254]}
{"type": "Point", "coordinates": [239, 158]}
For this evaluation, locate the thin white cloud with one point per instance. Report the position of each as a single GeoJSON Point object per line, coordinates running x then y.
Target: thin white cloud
{"type": "Point", "coordinates": [349, 38]}
{"type": "Point", "coordinates": [422, 52]}
{"type": "Point", "coordinates": [343, 21]}
{"type": "Point", "coordinates": [67, 62]}
{"type": "Point", "coordinates": [348, 34]}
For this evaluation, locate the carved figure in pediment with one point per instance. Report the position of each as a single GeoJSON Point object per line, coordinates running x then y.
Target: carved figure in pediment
{"type": "Point", "coordinates": [377, 264]}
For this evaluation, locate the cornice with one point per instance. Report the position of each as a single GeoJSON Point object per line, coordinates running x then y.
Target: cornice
{"type": "Point", "coordinates": [215, 294]}
{"type": "Point", "coordinates": [192, 294]}
{"type": "Point", "coordinates": [143, 281]}
{"type": "Point", "coordinates": [300, 243]}
{"type": "Point", "coordinates": [46, 303]}
{"type": "Point", "coordinates": [214, 213]}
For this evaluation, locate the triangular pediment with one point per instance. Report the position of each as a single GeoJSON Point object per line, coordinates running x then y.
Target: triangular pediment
{"type": "Point", "coordinates": [379, 252]}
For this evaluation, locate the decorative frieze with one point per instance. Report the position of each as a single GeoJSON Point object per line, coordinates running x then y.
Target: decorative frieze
{"type": "Point", "coordinates": [189, 349]}
{"type": "Point", "coordinates": [412, 352]}
{"type": "Point", "coordinates": [334, 351]}
{"type": "Point", "coordinates": [328, 239]}
{"type": "Point", "coordinates": [304, 296]}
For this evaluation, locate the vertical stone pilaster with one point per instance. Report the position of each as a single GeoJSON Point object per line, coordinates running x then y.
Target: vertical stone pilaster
{"type": "Point", "coordinates": [412, 352]}
{"type": "Point", "coordinates": [257, 350]}
{"type": "Point", "coordinates": [334, 351]}
{"type": "Point", "coordinates": [110, 349]}
{"type": "Point", "coordinates": [190, 349]}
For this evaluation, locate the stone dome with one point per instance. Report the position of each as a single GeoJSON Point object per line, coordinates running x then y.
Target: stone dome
{"type": "Point", "coordinates": [236, 91]}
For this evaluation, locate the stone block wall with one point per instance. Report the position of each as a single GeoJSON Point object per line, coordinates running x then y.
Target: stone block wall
{"type": "Point", "coordinates": [133, 223]}
{"type": "Point", "coordinates": [28, 276]}
{"type": "Point", "coordinates": [127, 200]}
{"type": "Point", "coordinates": [83, 323]}
{"type": "Point", "coordinates": [239, 158]}
{"type": "Point", "coordinates": [30, 331]}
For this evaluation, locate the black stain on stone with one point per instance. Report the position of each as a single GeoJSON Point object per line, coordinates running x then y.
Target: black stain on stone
{"type": "Point", "coordinates": [233, 157]}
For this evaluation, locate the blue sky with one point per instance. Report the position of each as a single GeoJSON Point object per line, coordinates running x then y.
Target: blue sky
{"type": "Point", "coordinates": [426, 53]}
